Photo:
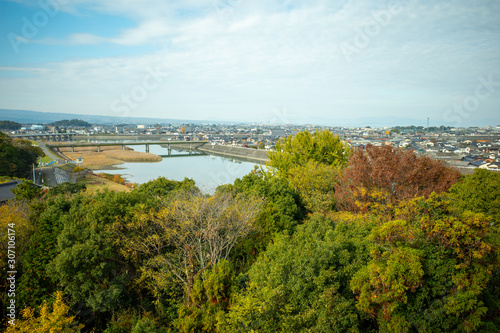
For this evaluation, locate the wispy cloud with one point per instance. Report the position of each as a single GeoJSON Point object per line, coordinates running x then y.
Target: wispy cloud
{"type": "Point", "coordinates": [248, 56]}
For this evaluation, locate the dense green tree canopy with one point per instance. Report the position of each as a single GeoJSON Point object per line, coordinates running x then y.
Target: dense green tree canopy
{"type": "Point", "coordinates": [301, 283]}
{"type": "Point", "coordinates": [273, 252]}
{"type": "Point", "coordinates": [281, 212]}
{"type": "Point", "coordinates": [430, 266]}
{"type": "Point", "coordinates": [89, 265]}
{"type": "Point", "coordinates": [17, 156]}
{"type": "Point", "coordinates": [165, 187]}
{"type": "Point", "coordinates": [323, 147]}
{"type": "Point", "coordinates": [479, 192]}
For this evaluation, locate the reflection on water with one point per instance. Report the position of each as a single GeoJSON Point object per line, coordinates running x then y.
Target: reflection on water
{"type": "Point", "coordinates": [207, 171]}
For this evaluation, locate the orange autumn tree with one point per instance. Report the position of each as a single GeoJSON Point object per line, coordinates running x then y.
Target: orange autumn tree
{"type": "Point", "coordinates": [382, 176]}
{"type": "Point", "coordinates": [118, 179]}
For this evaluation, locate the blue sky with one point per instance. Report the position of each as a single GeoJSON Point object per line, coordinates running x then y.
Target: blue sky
{"type": "Point", "coordinates": [279, 61]}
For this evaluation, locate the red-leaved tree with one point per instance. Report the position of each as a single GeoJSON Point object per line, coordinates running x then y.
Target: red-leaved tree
{"type": "Point", "coordinates": [386, 175]}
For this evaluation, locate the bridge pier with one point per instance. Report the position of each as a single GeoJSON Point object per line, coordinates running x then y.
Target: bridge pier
{"type": "Point", "coordinates": [147, 147]}
{"type": "Point", "coordinates": [123, 147]}
{"type": "Point", "coordinates": [73, 149]}
{"type": "Point", "coordinates": [98, 148]}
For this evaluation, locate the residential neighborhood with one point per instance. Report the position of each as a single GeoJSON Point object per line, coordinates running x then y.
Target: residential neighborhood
{"type": "Point", "coordinates": [464, 148]}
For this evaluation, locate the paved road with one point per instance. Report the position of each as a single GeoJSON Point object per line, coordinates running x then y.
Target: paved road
{"type": "Point", "coordinates": [48, 174]}
{"type": "Point", "coordinates": [49, 153]}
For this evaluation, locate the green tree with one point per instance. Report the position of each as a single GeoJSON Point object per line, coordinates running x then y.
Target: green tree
{"type": "Point", "coordinates": [17, 157]}
{"type": "Point", "coordinates": [67, 187]}
{"type": "Point", "coordinates": [301, 282]}
{"type": "Point", "coordinates": [479, 192]}
{"type": "Point", "coordinates": [71, 123]}
{"type": "Point", "coordinates": [90, 264]}
{"type": "Point", "coordinates": [316, 183]}
{"type": "Point", "coordinates": [312, 164]}
{"type": "Point", "coordinates": [165, 187]}
{"type": "Point", "coordinates": [211, 293]}
{"type": "Point", "coordinates": [323, 147]}
{"type": "Point", "coordinates": [26, 190]}
{"type": "Point", "coordinates": [9, 125]}
{"type": "Point", "coordinates": [281, 212]}
{"type": "Point", "coordinates": [36, 284]}
{"type": "Point", "coordinates": [146, 325]}
{"type": "Point", "coordinates": [429, 268]}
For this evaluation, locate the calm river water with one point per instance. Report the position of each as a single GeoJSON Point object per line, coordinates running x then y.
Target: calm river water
{"type": "Point", "coordinates": [207, 171]}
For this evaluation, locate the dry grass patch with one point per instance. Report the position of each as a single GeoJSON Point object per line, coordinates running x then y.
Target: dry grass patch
{"type": "Point", "coordinates": [108, 156]}
{"type": "Point", "coordinates": [98, 184]}
{"type": "Point", "coordinates": [94, 160]}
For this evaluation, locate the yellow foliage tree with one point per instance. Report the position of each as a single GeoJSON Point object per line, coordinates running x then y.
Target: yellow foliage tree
{"type": "Point", "coordinates": [16, 230]}
{"type": "Point", "coordinates": [315, 182]}
{"type": "Point", "coordinates": [54, 321]}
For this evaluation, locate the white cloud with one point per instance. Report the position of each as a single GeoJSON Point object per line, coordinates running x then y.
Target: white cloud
{"type": "Point", "coordinates": [255, 55]}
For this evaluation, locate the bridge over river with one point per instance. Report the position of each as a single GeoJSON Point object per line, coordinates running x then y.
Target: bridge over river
{"type": "Point", "coordinates": [46, 136]}
{"type": "Point", "coordinates": [189, 145]}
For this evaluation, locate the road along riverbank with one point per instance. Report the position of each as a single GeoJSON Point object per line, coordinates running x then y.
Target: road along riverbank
{"type": "Point", "coordinates": [246, 154]}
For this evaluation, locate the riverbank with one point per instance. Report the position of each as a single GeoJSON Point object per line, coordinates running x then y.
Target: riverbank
{"type": "Point", "coordinates": [95, 184]}
{"type": "Point", "coordinates": [246, 154]}
{"type": "Point", "coordinates": [108, 157]}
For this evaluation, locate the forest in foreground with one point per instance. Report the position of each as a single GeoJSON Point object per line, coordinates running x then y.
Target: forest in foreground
{"type": "Point", "coordinates": [326, 239]}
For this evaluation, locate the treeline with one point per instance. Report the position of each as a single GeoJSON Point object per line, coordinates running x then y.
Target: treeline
{"type": "Point", "coordinates": [325, 240]}
{"type": "Point", "coordinates": [17, 156]}
{"type": "Point", "coordinates": [71, 123]}
{"type": "Point", "coordinates": [9, 125]}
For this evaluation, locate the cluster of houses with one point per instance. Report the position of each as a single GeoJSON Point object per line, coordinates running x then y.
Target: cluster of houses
{"type": "Point", "coordinates": [491, 162]}
{"type": "Point", "coordinates": [469, 147]}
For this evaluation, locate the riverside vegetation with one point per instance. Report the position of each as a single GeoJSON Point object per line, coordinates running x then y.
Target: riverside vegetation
{"type": "Point", "coordinates": [326, 239]}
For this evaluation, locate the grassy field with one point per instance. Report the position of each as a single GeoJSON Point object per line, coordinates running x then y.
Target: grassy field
{"type": "Point", "coordinates": [46, 159]}
{"type": "Point", "coordinates": [94, 160]}
{"type": "Point", "coordinates": [66, 167]}
{"type": "Point", "coordinates": [95, 184]}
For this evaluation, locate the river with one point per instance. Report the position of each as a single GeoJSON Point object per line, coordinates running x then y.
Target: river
{"type": "Point", "coordinates": [207, 171]}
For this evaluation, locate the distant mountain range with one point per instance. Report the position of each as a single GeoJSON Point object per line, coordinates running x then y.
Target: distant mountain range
{"type": "Point", "coordinates": [37, 117]}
